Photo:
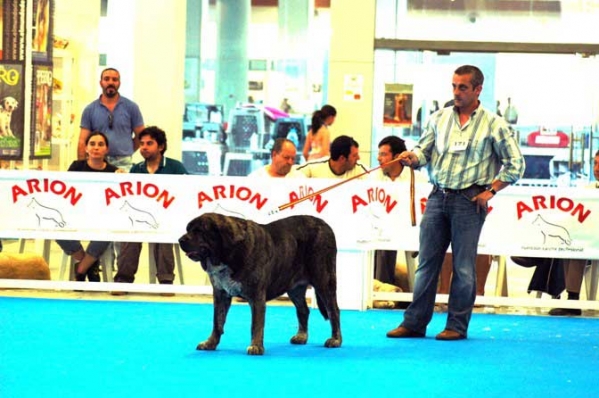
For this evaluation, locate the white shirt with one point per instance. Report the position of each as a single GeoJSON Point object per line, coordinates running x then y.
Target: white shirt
{"type": "Point", "coordinates": [379, 175]}
{"type": "Point", "coordinates": [321, 169]}
{"type": "Point", "coordinates": [262, 172]}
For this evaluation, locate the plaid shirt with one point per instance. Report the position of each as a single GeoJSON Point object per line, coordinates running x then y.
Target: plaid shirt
{"type": "Point", "coordinates": [489, 150]}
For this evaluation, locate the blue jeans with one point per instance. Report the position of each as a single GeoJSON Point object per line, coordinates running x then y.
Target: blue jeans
{"type": "Point", "coordinates": [449, 217]}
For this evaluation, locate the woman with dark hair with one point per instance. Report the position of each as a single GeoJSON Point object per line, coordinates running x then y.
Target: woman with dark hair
{"type": "Point", "coordinates": [86, 261]}
{"type": "Point", "coordinates": [318, 140]}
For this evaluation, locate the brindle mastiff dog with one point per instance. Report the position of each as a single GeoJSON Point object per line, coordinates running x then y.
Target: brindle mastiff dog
{"type": "Point", "coordinates": [261, 262]}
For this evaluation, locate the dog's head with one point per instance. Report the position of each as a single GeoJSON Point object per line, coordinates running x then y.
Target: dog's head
{"type": "Point", "coordinates": [9, 104]}
{"type": "Point", "coordinates": [212, 237]}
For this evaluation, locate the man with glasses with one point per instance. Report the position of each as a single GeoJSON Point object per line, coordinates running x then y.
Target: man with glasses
{"type": "Point", "coordinates": [117, 117]}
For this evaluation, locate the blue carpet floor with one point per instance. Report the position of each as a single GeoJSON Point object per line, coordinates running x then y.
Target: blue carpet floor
{"type": "Point", "coordinates": [74, 348]}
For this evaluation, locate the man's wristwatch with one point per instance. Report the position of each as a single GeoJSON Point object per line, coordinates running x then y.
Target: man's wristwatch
{"type": "Point", "coordinates": [492, 191]}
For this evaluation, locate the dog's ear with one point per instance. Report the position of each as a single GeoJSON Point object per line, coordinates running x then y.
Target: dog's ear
{"type": "Point", "coordinates": [233, 231]}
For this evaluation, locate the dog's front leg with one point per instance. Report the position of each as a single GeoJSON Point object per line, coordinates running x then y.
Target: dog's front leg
{"type": "Point", "coordinates": [258, 307]}
{"type": "Point", "coordinates": [222, 303]}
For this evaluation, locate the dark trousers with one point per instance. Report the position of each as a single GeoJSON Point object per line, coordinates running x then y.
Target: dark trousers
{"type": "Point", "coordinates": [128, 262]}
{"type": "Point", "coordinates": [384, 266]}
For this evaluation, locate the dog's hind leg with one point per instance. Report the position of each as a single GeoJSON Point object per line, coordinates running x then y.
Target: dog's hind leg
{"type": "Point", "coordinates": [328, 300]}
{"type": "Point", "coordinates": [298, 298]}
{"type": "Point", "coordinates": [222, 303]}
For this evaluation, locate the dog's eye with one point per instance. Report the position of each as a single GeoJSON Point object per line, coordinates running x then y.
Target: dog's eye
{"type": "Point", "coordinates": [194, 230]}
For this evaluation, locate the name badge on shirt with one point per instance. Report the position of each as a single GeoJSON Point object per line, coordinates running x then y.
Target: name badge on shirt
{"type": "Point", "coordinates": [458, 146]}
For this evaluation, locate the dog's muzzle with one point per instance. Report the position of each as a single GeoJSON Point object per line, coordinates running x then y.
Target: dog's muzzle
{"type": "Point", "coordinates": [195, 253]}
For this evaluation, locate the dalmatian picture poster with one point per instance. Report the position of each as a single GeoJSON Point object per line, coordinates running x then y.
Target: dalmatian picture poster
{"type": "Point", "coordinates": [12, 113]}
{"type": "Point", "coordinates": [41, 113]}
{"type": "Point", "coordinates": [12, 22]}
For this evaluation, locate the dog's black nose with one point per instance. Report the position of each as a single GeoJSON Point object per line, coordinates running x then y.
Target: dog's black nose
{"type": "Point", "coordinates": [183, 242]}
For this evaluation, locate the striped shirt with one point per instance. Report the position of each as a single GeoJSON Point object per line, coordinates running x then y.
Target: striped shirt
{"type": "Point", "coordinates": [321, 169]}
{"type": "Point", "coordinates": [480, 151]}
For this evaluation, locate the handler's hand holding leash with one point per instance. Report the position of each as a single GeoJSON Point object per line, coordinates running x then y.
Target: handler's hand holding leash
{"type": "Point", "coordinates": [410, 159]}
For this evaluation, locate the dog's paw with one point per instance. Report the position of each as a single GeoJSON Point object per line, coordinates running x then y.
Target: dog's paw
{"type": "Point", "coordinates": [207, 345]}
{"type": "Point", "coordinates": [300, 338]}
{"type": "Point", "coordinates": [255, 350]}
{"type": "Point", "coordinates": [332, 343]}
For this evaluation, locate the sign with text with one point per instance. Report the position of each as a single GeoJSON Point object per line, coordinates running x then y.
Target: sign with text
{"type": "Point", "coordinates": [539, 222]}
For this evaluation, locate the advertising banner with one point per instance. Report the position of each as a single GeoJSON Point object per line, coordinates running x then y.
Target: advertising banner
{"type": "Point", "coordinates": [41, 45]}
{"type": "Point", "coordinates": [41, 113]}
{"type": "Point", "coordinates": [13, 30]}
{"type": "Point", "coordinates": [398, 105]}
{"type": "Point", "coordinates": [536, 222]}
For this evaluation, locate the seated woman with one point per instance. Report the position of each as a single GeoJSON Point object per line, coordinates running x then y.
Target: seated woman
{"type": "Point", "coordinates": [86, 262]}
{"type": "Point", "coordinates": [318, 140]}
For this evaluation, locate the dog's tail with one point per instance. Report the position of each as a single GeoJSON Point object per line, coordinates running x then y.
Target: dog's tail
{"type": "Point", "coordinates": [322, 306]}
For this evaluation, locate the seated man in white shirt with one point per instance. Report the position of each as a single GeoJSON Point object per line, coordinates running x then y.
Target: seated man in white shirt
{"type": "Point", "coordinates": [282, 159]}
{"type": "Point", "coordinates": [342, 164]}
{"type": "Point", "coordinates": [389, 149]}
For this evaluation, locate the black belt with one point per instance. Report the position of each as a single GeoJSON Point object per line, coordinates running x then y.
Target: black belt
{"type": "Point", "coordinates": [472, 188]}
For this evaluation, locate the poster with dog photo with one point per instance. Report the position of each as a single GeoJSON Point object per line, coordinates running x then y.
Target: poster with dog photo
{"type": "Point", "coordinates": [41, 113]}
{"type": "Point", "coordinates": [41, 44]}
{"type": "Point", "coordinates": [13, 29]}
{"type": "Point", "coordinates": [11, 111]}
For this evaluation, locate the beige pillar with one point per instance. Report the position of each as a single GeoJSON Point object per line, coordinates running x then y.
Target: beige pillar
{"type": "Point", "coordinates": [159, 55]}
{"type": "Point", "coordinates": [77, 22]}
{"type": "Point", "coordinates": [148, 48]}
{"type": "Point", "coordinates": [352, 55]}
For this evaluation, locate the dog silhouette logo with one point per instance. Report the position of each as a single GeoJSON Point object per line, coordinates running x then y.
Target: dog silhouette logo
{"type": "Point", "coordinates": [45, 213]}
{"type": "Point", "coordinates": [552, 231]}
{"type": "Point", "coordinates": [227, 212]}
{"type": "Point", "coordinates": [138, 216]}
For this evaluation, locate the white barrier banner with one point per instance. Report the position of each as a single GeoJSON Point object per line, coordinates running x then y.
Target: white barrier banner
{"type": "Point", "coordinates": [540, 222]}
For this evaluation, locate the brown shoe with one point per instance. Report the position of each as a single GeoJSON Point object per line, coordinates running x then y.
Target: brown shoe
{"type": "Point", "coordinates": [118, 293]}
{"type": "Point", "coordinates": [403, 332]}
{"type": "Point", "coordinates": [450, 335]}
